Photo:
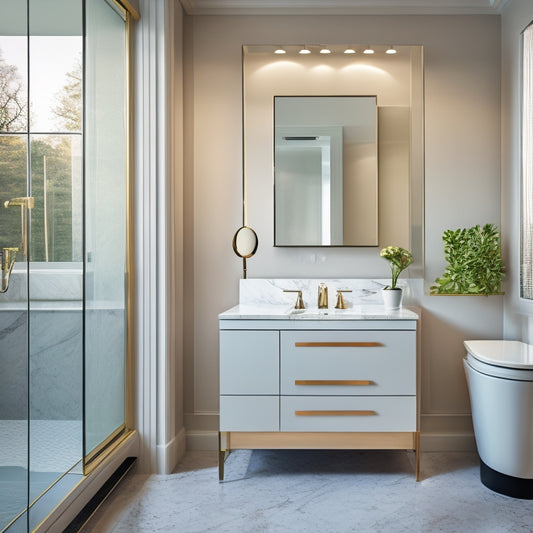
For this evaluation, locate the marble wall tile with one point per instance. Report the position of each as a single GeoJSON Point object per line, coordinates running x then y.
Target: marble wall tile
{"type": "Point", "coordinates": [56, 366]}
{"type": "Point", "coordinates": [13, 364]}
{"type": "Point", "coordinates": [270, 291]}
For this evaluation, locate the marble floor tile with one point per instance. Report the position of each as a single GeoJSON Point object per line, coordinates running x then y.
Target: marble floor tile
{"type": "Point", "coordinates": [289, 491]}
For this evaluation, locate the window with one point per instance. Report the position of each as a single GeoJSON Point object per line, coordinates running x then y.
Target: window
{"type": "Point", "coordinates": [526, 260]}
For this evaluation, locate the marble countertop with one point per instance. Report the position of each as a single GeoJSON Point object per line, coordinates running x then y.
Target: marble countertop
{"type": "Point", "coordinates": [284, 312]}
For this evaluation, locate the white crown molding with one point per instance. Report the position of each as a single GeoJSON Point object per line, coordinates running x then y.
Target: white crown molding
{"type": "Point", "coordinates": [343, 7]}
{"type": "Point", "coordinates": [498, 5]}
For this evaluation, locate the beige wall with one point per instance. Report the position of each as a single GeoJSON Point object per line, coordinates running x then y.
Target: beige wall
{"type": "Point", "coordinates": [462, 188]}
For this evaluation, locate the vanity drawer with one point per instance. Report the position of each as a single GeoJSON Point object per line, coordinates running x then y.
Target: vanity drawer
{"type": "Point", "coordinates": [249, 413]}
{"type": "Point", "coordinates": [346, 363]}
{"type": "Point", "coordinates": [353, 413]}
{"type": "Point", "coordinates": [249, 362]}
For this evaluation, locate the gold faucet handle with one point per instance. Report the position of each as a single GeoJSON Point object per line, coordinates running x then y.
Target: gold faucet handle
{"type": "Point", "coordinates": [340, 300]}
{"type": "Point", "coordinates": [299, 300]}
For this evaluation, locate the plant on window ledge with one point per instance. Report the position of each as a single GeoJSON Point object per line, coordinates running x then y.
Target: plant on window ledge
{"type": "Point", "coordinates": [475, 264]}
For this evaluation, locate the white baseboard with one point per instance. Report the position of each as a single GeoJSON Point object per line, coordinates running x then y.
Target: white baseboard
{"type": "Point", "coordinates": [169, 454]}
{"type": "Point", "coordinates": [442, 432]}
{"type": "Point", "coordinates": [447, 442]}
{"type": "Point", "coordinates": [202, 440]}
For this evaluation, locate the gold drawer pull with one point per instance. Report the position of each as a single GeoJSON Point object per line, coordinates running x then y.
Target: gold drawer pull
{"type": "Point", "coordinates": [356, 382]}
{"type": "Point", "coordinates": [337, 344]}
{"type": "Point", "coordinates": [335, 413]}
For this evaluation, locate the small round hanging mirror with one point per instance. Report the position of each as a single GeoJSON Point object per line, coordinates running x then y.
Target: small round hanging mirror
{"type": "Point", "coordinates": [245, 244]}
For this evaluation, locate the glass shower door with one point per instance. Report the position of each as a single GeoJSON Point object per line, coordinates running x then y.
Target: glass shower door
{"type": "Point", "coordinates": [41, 303]}
{"type": "Point", "coordinates": [13, 304]}
{"type": "Point", "coordinates": [55, 253]}
{"type": "Point", "coordinates": [63, 233]}
{"type": "Point", "coordinates": [106, 184]}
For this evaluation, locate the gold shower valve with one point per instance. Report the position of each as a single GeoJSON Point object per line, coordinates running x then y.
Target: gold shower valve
{"type": "Point", "coordinates": [25, 203]}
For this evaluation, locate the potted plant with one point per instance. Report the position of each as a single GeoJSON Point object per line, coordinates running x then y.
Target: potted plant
{"type": "Point", "coordinates": [475, 263]}
{"type": "Point", "coordinates": [399, 259]}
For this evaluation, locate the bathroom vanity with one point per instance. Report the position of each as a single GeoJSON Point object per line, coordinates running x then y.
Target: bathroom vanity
{"type": "Point", "coordinates": [318, 378]}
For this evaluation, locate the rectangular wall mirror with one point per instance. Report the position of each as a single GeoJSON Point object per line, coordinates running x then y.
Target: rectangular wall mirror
{"type": "Point", "coordinates": [326, 171]}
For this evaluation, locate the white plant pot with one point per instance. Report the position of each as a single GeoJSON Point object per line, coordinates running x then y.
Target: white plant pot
{"type": "Point", "coordinates": [392, 298]}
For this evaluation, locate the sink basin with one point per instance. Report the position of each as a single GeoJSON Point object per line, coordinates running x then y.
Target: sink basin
{"type": "Point", "coordinates": [314, 313]}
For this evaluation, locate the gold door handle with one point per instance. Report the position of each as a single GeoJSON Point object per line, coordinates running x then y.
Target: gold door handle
{"type": "Point", "coordinates": [335, 413]}
{"type": "Point", "coordinates": [337, 344]}
{"type": "Point", "coordinates": [349, 382]}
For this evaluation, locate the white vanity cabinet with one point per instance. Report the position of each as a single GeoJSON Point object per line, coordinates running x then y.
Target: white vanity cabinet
{"type": "Point", "coordinates": [249, 380]}
{"type": "Point", "coordinates": [318, 384]}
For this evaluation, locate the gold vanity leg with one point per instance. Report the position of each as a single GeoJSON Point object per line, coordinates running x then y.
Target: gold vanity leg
{"type": "Point", "coordinates": [417, 455]}
{"type": "Point", "coordinates": [221, 458]}
{"type": "Point", "coordinates": [223, 452]}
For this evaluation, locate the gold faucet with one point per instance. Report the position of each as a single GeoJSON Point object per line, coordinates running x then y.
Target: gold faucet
{"type": "Point", "coordinates": [340, 300]}
{"type": "Point", "coordinates": [7, 260]}
{"type": "Point", "coordinates": [322, 296]}
{"type": "Point", "coordinates": [25, 203]}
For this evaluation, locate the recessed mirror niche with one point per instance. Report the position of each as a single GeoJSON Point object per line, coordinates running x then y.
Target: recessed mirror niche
{"type": "Point", "coordinates": [395, 81]}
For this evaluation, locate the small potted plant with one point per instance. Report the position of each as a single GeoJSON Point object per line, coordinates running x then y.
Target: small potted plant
{"type": "Point", "coordinates": [399, 260]}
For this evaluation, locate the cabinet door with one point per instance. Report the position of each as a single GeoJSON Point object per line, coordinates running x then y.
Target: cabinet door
{"type": "Point", "coordinates": [249, 413]}
{"type": "Point", "coordinates": [249, 362]}
{"type": "Point", "coordinates": [348, 363]}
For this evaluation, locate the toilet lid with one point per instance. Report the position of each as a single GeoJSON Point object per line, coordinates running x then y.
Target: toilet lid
{"type": "Point", "coordinates": [509, 354]}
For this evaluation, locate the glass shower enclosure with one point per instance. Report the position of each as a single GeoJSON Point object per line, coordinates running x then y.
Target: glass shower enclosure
{"type": "Point", "coordinates": [63, 256]}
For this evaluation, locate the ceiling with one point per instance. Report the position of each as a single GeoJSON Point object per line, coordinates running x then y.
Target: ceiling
{"type": "Point", "coordinates": [344, 7]}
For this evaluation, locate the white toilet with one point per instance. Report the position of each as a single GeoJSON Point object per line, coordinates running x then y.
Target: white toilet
{"type": "Point", "coordinates": [500, 381]}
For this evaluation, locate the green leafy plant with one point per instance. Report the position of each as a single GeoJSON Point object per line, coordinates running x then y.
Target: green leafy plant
{"type": "Point", "coordinates": [475, 264]}
{"type": "Point", "coordinates": [399, 259]}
